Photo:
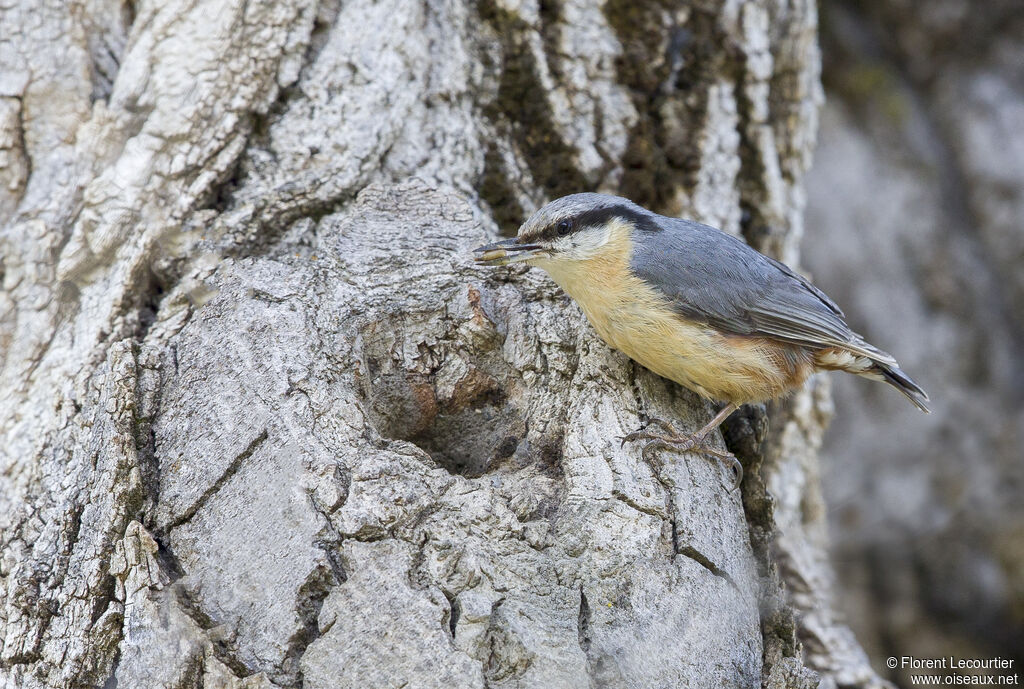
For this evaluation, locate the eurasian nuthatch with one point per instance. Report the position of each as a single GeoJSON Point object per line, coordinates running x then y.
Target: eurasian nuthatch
{"type": "Point", "coordinates": [693, 304]}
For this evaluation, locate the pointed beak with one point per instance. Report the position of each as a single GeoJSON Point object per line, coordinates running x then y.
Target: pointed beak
{"type": "Point", "coordinates": [505, 252]}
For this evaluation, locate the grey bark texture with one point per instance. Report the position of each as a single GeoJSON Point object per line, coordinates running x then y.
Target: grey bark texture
{"type": "Point", "coordinates": [263, 423]}
{"type": "Point", "coordinates": [918, 182]}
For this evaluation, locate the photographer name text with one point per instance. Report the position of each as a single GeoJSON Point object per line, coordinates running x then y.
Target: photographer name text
{"type": "Point", "coordinates": [952, 663]}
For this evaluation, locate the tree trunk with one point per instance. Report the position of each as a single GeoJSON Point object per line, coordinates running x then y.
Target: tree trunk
{"type": "Point", "coordinates": [264, 424]}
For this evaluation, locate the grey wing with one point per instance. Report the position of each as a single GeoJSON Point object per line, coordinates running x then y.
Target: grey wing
{"type": "Point", "coordinates": [712, 277]}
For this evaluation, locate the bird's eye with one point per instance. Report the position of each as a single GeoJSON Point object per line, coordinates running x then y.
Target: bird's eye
{"type": "Point", "coordinates": [564, 227]}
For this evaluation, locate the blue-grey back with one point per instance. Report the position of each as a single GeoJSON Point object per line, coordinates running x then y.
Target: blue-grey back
{"type": "Point", "coordinates": [712, 277]}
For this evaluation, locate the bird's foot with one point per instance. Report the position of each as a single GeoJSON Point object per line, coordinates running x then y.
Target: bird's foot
{"type": "Point", "coordinates": [644, 433]}
{"type": "Point", "coordinates": [674, 441]}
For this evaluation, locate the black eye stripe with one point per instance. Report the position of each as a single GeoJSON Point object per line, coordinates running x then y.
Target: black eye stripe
{"type": "Point", "coordinates": [596, 218]}
{"type": "Point", "coordinates": [600, 216]}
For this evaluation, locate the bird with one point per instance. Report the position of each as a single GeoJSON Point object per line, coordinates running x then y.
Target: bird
{"type": "Point", "coordinates": [695, 305]}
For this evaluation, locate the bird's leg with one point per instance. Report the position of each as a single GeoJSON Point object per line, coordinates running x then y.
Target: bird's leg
{"type": "Point", "coordinates": [673, 440]}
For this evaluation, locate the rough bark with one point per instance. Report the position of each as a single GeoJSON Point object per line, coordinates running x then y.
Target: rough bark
{"type": "Point", "coordinates": [265, 425]}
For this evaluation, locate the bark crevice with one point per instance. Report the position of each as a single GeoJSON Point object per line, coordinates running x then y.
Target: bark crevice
{"type": "Point", "coordinates": [253, 295]}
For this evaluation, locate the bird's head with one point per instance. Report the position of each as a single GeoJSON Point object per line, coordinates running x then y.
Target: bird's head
{"type": "Point", "coordinates": [566, 233]}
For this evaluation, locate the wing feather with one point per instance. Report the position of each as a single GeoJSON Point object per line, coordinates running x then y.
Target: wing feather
{"type": "Point", "coordinates": [712, 277]}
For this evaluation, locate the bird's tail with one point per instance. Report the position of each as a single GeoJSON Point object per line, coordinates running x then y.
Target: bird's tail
{"type": "Point", "coordinates": [895, 377]}
{"type": "Point", "coordinates": [875, 364]}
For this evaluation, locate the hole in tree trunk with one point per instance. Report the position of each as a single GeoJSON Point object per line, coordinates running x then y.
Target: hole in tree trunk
{"type": "Point", "coordinates": [469, 427]}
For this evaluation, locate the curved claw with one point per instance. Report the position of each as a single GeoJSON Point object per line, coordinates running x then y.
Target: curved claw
{"type": "Point", "coordinates": [727, 458]}
{"type": "Point", "coordinates": [728, 461]}
{"type": "Point", "coordinates": [670, 435]}
{"type": "Point", "coordinates": [630, 437]}
{"type": "Point", "coordinates": [737, 472]}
